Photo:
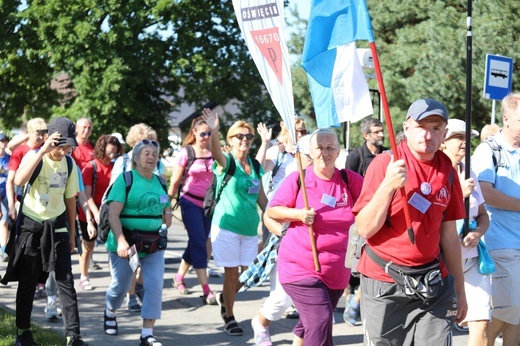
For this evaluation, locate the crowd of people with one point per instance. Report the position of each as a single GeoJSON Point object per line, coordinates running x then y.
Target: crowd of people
{"type": "Point", "coordinates": [420, 269]}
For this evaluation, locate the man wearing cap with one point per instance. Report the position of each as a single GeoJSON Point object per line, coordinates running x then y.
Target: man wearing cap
{"type": "Point", "coordinates": [419, 307]}
{"type": "Point", "coordinates": [45, 232]}
{"type": "Point", "coordinates": [84, 151]}
{"type": "Point", "coordinates": [500, 183]}
{"type": "Point", "coordinates": [4, 215]}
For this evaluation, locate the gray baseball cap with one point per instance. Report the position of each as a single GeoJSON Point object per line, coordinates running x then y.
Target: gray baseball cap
{"type": "Point", "coordinates": [423, 108]}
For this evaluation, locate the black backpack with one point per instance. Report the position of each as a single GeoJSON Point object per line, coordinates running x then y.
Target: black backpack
{"type": "Point", "coordinates": [103, 227]}
{"type": "Point", "coordinates": [211, 199]}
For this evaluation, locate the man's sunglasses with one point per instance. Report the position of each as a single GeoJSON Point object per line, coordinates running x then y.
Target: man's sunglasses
{"type": "Point", "coordinates": [241, 136]}
{"type": "Point", "coordinates": [148, 142]}
{"type": "Point", "coordinates": [204, 134]}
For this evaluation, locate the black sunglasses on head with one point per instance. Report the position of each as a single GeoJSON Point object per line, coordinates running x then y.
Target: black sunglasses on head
{"type": "Point", "coordinates": [148, 142]}
{"type": "Point", "coordinates": [241, 136]}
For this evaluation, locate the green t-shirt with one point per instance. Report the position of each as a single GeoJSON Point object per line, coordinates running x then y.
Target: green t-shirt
{"type": "Point", "coordinates": [146, 197]}
{"type": "Point", "coordinates": [237, 209]}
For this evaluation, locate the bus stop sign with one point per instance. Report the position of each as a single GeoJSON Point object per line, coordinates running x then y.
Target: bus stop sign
{"type": "Point", "coordinates": [498, 78]}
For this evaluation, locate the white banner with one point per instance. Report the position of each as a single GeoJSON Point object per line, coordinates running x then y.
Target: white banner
{"type": "Point", "coordinates": [263, 26]}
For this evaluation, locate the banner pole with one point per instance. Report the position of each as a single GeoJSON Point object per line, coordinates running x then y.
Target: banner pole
{"type": "Point", "coordinates": [391, 136]}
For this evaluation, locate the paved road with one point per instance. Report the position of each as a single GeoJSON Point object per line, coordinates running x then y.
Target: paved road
{"type": "Point", "coordinates": [185, 320]}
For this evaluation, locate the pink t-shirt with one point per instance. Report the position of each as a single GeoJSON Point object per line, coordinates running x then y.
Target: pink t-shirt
{"type": "Point", "coordinates": [332, 201]}
{"type": "Point", "coordinates": [199, 177]}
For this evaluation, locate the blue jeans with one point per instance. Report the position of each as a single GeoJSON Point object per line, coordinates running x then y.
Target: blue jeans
{"type": "Point", "coordinates": [152, 270]}
{"type": "Point", "coordinates": [198, 227]}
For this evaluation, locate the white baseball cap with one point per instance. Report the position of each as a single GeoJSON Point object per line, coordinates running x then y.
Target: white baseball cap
{"type": "Point", "coordinates": [119, 137]}
{"type": "Point", "coordinates": [456, 126]}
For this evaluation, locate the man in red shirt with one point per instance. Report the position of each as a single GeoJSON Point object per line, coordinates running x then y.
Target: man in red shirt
{"type": "Point", "coordinates": [84, 152]}
{"type": "Point", "coordinates": [418, 308]}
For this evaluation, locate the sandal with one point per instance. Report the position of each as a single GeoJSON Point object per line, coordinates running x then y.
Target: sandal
{"type": "Point", "coordinates": [181, 287]}
{"type": "Point", "coordinates": [231, 327]}
{"type": "Point", "coordinates": [110, 325]}
{"type": "Point", "coordinates": [209, 299]}
{"type": "Point", "coordinates": [85, 284]}
{"type": "Point", "coordinates": [220, 301]}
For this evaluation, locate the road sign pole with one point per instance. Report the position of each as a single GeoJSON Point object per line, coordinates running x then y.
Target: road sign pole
{"type": "Point", "coordinates": [493, 111]}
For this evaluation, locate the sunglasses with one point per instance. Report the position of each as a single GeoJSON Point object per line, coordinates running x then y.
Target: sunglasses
{"type": "Point", "coordinates": [303, 132]}
{"type": "Point", "coordinates": [241, 136]}
{"type": "Point", "coordinates": [148, 142]}
{"type": "Point", "coordinates": [41, 132]}
{"type": "Point", "coordinates": [204, 134]}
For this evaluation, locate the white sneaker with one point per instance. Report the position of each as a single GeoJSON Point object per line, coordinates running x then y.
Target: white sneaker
{"type": "Point", "coordinates": [261, 334]}
{"type": "Point", "coordinates": [51, 311]}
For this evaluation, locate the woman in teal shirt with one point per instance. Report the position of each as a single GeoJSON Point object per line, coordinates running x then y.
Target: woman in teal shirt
{"type": "Point", "coordinates": [234, 227]}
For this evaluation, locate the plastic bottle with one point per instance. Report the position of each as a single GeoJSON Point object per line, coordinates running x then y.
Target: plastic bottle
{"type": "Point", "coordinates": [163, 232]}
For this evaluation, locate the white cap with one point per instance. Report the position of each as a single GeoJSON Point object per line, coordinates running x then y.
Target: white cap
{"type": "Point", "coordinates": [119, 137]}
{"type": "Point", "coordinates": [304, 144]}
{"type": "Point", "coordinates": [456, 126]}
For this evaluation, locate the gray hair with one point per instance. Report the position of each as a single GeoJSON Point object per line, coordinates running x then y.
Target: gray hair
{"type": "Point", "coordinates": [138, 148]}
{"type": "Point", "coordinates": [368, 123]}
{"type": "Point", "coordinates": [510, 104]}
{"type": "Point", "coordinates": [326, 131]}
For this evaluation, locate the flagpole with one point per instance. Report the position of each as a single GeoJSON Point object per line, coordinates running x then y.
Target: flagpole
{"type": "Point", "coordinates": [317, 266]}
{"type": "Point", "coordinates": [469, 62]}
{"type": "Point", "coordinates": [391, 136]}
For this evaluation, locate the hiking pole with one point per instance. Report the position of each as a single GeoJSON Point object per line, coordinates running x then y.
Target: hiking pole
{"type": "Point", "coordinates": [469, 62]}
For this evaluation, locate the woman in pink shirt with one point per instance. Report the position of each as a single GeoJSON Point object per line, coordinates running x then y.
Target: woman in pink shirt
{"type": "Point", "coordinates": [192, 177]}
{"type": "Point", "coordinates": [331, 194]}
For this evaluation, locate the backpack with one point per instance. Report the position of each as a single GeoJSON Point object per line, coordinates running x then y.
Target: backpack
{"type": "Point", "coordinates": [191, 160]}
{"type": "Point", "coordinates": [211, 198]}
{"type": "Point", "coordinates": [103, 227]}
{"type": "Point", "coordinates": [497, 154]}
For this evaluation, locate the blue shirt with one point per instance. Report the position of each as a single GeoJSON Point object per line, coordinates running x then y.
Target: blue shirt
{"type": "Point", "coordinates": [503, 228]}
{"type": "Point", "coordinates": [4, 162]}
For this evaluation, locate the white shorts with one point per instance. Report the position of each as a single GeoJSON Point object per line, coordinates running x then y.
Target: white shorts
{"type": "Point", "coordinates": [231, 249]}
{"type": "Point", "coordinates": [505, 285]}
{"type": "Point", "coordinates": [478, 291]}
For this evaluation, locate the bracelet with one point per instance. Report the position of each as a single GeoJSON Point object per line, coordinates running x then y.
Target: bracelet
{"type": "Point", "coordinates": [92, 220]}
{"type": "Point", "coordinates": [167, 212]}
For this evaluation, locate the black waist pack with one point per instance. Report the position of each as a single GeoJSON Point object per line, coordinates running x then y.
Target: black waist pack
{"type": "Point", "coordinates": [145, 242]}
{"type": "Point", "coordinates": [423, 282]}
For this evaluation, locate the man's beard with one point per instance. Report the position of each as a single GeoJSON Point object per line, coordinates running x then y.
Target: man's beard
{"type": "Point", "coordinates": [377, 142]}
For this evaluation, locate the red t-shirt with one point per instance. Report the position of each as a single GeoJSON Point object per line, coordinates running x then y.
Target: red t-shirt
{"type": "Point", "coordinates": [17, 156]}
{"type": "Point", "coordinates": [102, 182]}
{"type": "Point", "coordinates": [392, 242]}
{"type": "Point", "coordinates": [83, 154]}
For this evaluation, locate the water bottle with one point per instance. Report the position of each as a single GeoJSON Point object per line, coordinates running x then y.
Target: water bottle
{"type": "Point", "coordinates": [163, 232]}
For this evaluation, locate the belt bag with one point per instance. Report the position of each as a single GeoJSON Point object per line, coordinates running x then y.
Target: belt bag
{"type": "Point", "coordinates": [145, 242]}
{"type": "Point", "coordinates": [424, 282]}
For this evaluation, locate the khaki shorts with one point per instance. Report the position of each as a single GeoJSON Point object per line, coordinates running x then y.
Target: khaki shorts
{"type": "Point", "coordinates": [478, 290]}
{"type": "Point", "coordinates": [505, 285]}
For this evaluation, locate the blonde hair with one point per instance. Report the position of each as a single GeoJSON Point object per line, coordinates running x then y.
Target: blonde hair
{"type": "Point", "coordinates": [489, 130]}
{"type": "Point", "coordinates": [510, 104]}
{"type": "Point", "coordinates": [237, 127]}
{"type": "Point", "coordinates": [139, 132]}
{"type": "Point", "coordinates": [36, 124]}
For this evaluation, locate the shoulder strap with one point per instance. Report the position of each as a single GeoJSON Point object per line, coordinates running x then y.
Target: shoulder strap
{"type": "Point", "coordinates": [344, 175]}
{"type": "Point", "coordinates": [163, 183]}
{"type": "Point", "coordinates": [279, 161]}
{"type": "Point", "coordinates": [229, 173]}
{"type": "Point", "coordinates": [191, 158]}
{"type": "Point", "coordinates": [361, 160]}
{"type": "Point", "coordinates": [69, 165]}
{"type": "Point", "coordinates": [94, 177]}
{"type": "Point", "coordinates": [496, 149]}
{"type": "Point", "coordinates": [256, 166]}
{"type": "Point", "coordinates": [125, 160]}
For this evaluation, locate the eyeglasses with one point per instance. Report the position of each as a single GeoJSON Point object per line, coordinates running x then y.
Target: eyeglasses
{"type": "Point", "coordinates": [241, 136]}
{"type": "Point", "coordinates": [302, 132]}
{"type": "Point", "coordinates": [148, 142]}
{"type": "Point", "coordinates": [112, 154]}
{"type": "Point", "coordinates": [205, 134]}
{"type": "Point", "coordinates": [378, 132]}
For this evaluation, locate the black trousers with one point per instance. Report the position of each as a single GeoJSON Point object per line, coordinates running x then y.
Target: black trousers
{"type": "Point", "coordinates": [30, 268]}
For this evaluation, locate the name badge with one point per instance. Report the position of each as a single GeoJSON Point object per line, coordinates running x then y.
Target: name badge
{"type": "Point", "coordinates": [328, 200]}
{"type": "Point", "coordinates": [255, 188]}
{"type": "Point", "coordinates": [163, 199]}
{"type": "Point", "coordinates": [419, 202]}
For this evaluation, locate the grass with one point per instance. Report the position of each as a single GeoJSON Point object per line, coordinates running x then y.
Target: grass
{"type": "Point", "coordinates": [44, 337]}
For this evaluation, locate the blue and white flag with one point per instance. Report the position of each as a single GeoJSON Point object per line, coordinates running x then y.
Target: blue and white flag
{"type": "Point", "coordinates": [338, 85]}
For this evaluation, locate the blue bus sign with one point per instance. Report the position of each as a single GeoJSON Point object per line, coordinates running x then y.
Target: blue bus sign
{"type": "Point", "coordinates": [498, 78]}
